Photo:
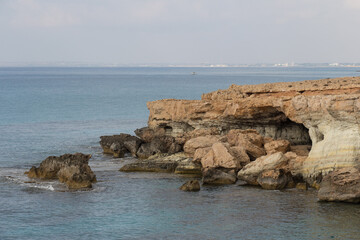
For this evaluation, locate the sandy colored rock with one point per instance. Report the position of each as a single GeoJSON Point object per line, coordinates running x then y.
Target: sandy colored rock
{"type": "Point", "coordinates": [342, 185]}
{"type": "Point", "coordinates": [279, 145]}
{"type": "Point", "coordinates": [199, 142]}
{"type": "Point", "coordinates": [295, 164]}
{"type": "Point", "coordinates": [301, 150]}
{"type": "Point", "coordinates": [240, 155]}
{"type": "Point", "coordinates": [200, 153]}
{"type": "Point", "coordinates": [222, 157]}
{"type": "Point", "coordinates": [251, 171]}
{"type": "Point", "coordinates": [250, 140]}
{"type": "Point", "coordinates": [71, 169]}
{"type": "Point", "coordinates": [238, 136]}
{"type": "Point", "coordinates": [191, 186]}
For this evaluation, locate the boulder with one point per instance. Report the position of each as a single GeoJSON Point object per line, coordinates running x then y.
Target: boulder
{"type": "Point", "coordinates": [301, 150]}
{"type": "Point", "coordinates": [295, 164]}
{"type": "Point", "coordinates": [219, 157]}
{"type": "Point", "coordinates": [200, 153]}
{"type": "Point", "coordinates": [238, 136]}
{"type": "Point", "coordinates": [279, 145]}
{"type": "Point", "coordinates": [275, 179]}
{"type": "Point", "coordinates": [250, 140]}
{"type": "Point", "coordinates": [71, 169]}
{"type": "Point", "coordinates": [191, 186]}
{"type": "Point", "coordinates": [240, 155]}
{"type": "Point", "coordinates": [213, 176]}
{"type": "Point", "coordinates": [342, 185]}
{"type": "Point", "coordinates": [119, 145]}
{"type": "Point", "coordinates": [199, 142]}
{"type": "Point", "coordinates": [251, 171]}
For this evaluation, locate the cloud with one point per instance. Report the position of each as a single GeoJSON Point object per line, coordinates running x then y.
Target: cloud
{"type": "Point", "coordinates": [40, 14]}
{"type": "Point", "coordinates": [354, 4]}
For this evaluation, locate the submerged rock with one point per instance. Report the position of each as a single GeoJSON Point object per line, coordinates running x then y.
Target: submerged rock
{"type": "Point", "coordinates": [274, 179]}
{"type": "Point", "coordinates": [342, 185]}
{"type": "Point", "coordinates": [213, 176]}
{"type": "Point", "coordinates": [71, 169]}
{"type": "Point", "coordinates": [191, 186]}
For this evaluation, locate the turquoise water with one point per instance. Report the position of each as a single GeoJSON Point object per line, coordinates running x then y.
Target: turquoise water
{"type": "Point", "coordinates": [52, 111]}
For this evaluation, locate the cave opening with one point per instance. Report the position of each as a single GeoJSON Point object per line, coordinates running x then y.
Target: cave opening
{"type": "Point", "coordinates": [275, 125]}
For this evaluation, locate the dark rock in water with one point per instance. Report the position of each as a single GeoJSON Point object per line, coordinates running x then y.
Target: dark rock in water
{"type": "Point", "coordinates": [273, 179]}
{"type": "Point", "coordinates": [146, 150]}
{"type": "Point", "coordinates": [191, 186]}
{"type": "Point", "coordinates": [119, 145]}
{"type": "Point", "coordinates": [213, 176]}
{"type": "Point", "coordinates": [71, 169]}
{"type": "Point", "coordinates": [342, 185]}
{"type": "Point", "coordinates": [158, 144]}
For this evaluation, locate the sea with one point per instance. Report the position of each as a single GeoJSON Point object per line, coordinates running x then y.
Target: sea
{"type": "Point", "coordinates": [48, 111]}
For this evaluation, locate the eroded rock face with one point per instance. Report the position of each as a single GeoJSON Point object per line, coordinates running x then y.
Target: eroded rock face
{"type": "Point", "coordinates": [119, 145]}
{"type": "Point", "coordinates": [71, 169]}
{"type": "Point", "coordinates": [342, 185]}
{"type": "Point", "coordinates": [327, 111]}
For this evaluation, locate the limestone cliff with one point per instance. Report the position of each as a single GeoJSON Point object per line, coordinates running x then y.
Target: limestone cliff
{"type": "Point", "coordinates": [324, 113]}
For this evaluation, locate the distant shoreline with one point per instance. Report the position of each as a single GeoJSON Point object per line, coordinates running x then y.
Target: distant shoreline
{"type": "Point", "coordinates": [84, 65]}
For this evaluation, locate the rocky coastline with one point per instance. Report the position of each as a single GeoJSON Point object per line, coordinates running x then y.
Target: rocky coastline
{"type": "Point", "coordinates": [276, 136]}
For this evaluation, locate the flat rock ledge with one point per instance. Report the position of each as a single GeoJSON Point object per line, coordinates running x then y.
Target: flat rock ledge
{"type": "Point", "coordinates": [177, 163]}
{"type": "Point", "coordinates": [71, 169]}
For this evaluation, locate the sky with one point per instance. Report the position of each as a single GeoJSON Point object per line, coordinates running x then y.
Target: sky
{"type": "Point", "coordinates": [180, 31]}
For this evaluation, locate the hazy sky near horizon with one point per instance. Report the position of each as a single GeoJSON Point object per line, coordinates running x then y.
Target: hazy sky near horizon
{"type": "Point", "coordinates": [179, 31]}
